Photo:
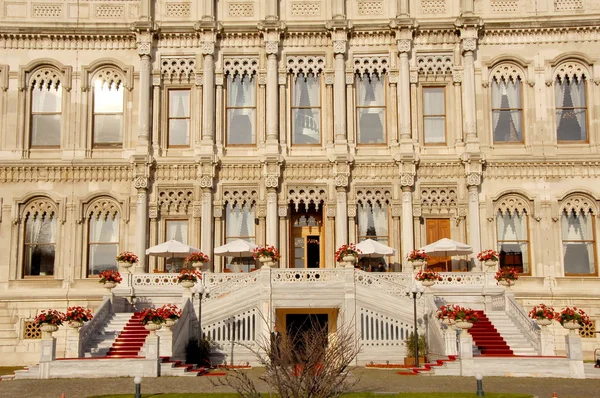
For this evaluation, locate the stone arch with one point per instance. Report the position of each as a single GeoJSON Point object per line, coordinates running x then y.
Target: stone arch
{"type": "Point", "coordinates": [513, 203]}
{"type": "Point", "coordinates": [578, 202]}
{"type": "Point", "coordinates": [314, 195]}
{"type": "Point", "coordinates": [45, 71]}
{"type": "Point", "coordinates": [102, 207]}
{"type": "Point", "coordinates": [175, 200]}
{"type": "Point", "coordinates": [507, 71]}
{"type": "Point", "coordinates": [109, 71]}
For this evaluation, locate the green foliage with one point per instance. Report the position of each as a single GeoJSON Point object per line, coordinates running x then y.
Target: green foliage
{"type": "Point", "coordinates": [409, 342]}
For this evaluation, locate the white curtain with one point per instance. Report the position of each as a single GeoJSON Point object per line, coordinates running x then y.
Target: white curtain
{"type": "Point", "coordinates": [578, 244]}
{"type": "Point", "coordinates": [46, 105]}
{"type": "Point", "coordinates": [177, 230]}
{"type": "Point", "coordinates": [372, 220]}
{"type": "Point", "coordinates": [241, 119]}
{"type": "Point", "coordinates": [362, 218]}
{"type": "Point", "coordinates": [371, 114]}
{"type": "Point", "coordinates": [513, 95]}
{"type": "Point", "coordinates": [380, 219]}
{"type": "Point", "coordinates": [498, 87]}
{"type": "Point", "coordinates": [103, 243]}
{"type": "Point", "coordinates": [577, 87]}
{"type": "Point", "coordinates": [306, 113]}
{"type": "Point", "coordinates": [239, 221]}
{"type": "Point", "coordinates": [434, 125]}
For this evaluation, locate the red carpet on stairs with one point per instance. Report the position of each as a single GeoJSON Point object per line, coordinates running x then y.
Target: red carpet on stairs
{"type": "Point", "coordinates": [487, 338]}
{"type": "Point", "coordinates": [130, 341]}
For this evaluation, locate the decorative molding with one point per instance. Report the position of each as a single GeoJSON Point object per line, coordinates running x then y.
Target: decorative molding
{"type": "Point", "coordinates": [175, 200]}
{"type": "Point", "coordinates": [374, 171]}
{"type": "Point", "coordinates": [380, 196]}
{"type": "Point", "coordinates": [66, 173]}
{"type": "Point", "coordinates": [306, 171]}
{"type": "Point", "coordinates": [305, 8]}
{"type": "Point", "coordinates": [239, 9]}
{"type": "Point", "coordinates": [181, 69]}
{"type": "Point", "coordinates": [178, 10]}
{"type": "Point", "coordinates": [14, 41]}
{"type": "Point", "coordinates": [541, 35]}
{"type": "Point", "coordinates": [433, 6]}
{"type": "Point", "coordinates": [108, 71]}
{"type": "Point", "coordinates": [513, 204]}
{"type": "Point", "coordinates": [372, 38]}
{"type": "Point", "coordinates": [307, 65]}
{"type": "Point", "coordinates": [538, 170]}
{"type": "Point", "coordinates": [306, 39]}
{"type": "Point", "coordinates": [571, 70]}
{"type": "Point", "coordinates": [578, 203]}
{"type": "Point", "coordinates": [507, 72]}
{"type": "Point", "coordinates": [4, 69]}
{"type": "Point", "coordinates": [435, 64]}
{"type": "Point", "coordinates": [271, 173]}
{"type": "Point", "coordinates": [439, 170]}
{"type": "Point", "coordinates": [240, 66]}
{"type": "Point", "coordinates": [375, 65]}
{"type": "Point", "coordinates": [243, 172]}
{"type": "Point", "coordinates": [306, 195]}
{"type": "Point", "coordinates": [439, 199]}
{"type": "Point", "coordinates": [240, 196]}
{"type": "Point", "coordinates": [370, 7]}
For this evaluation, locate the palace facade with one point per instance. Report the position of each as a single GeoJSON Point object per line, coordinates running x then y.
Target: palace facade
{"type": "Point", "coordinates": [303, 124]}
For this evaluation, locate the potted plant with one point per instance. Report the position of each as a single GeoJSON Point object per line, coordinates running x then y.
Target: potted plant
{"type": "Point", "coordinates": [572, 318]}
{"type": "Point", "coordinates": [446, 314]}
{"type": "Point", "coordinates": [409, 342]}
{"type": "Point", "coordinates": [266, 255]}
{"type": "Point", "coordinates": [77, 315]}
{"type": "Point", "coordinates": [543, 314]}
{"type": "Point", "coordinates": [347, 253]}
{"type": "Point", "coordinates": [109, 278]}
{"type": "Point", "coordinates": [49, 320]}
{"type": "Point", "coordinates": [127, 259]}
{"type": "Point", "coordinates": [489, 257]}
{"type": "Point", "coordinates": [464, 318]}
{"type": "Point", "coordinates": [417, 258]}
{"type": "Point", "coordinates": [197, 259]}
{"type": "Point", "coordinates": [507, 276]}
{"type": "Point", "coordinates": [170, 313]}
{"type": "Point", "coordinates": [188, 277]}
{"type": "Point", "coordinates": [428, 278]}
{"type": "Point", "coordinates": [152, 319]}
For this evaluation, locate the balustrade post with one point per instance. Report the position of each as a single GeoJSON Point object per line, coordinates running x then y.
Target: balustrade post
{"type": "Point", "coordinates": [575, 356]}
{"type": "Point", "coordinates": [450, 346]}
{"type": "Point", "coordinates": [73, 343]}
{"type": "Point", "coordinates": [165, 348]}
{"type": "Point", "coordinates": [151, 353]}
{"type": "Point", "coordinates": [547, 342]}
{"type": "Point", "coordinates": [466, 353]}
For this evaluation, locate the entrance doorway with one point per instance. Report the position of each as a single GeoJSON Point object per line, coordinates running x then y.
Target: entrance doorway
{"type": "Point", "coordinates": [307, 237]}
{"type": "Point", "coordinates": [438, 228]}
{"type": "Point", "coordinates": [304, 329]}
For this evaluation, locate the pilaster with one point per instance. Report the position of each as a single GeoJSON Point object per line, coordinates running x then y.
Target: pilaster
{"type": "Point", "coordinates": [407, 170]}
{"type": "Point", "coordinates": [473, 174]}
{"type": "Point", "coordinates": [339, 32]}
{"type": "Point", "coordinates": [341, 174]}
{"type": "Point", "coordinates": [404, 40]}
{"type": "Point", "coordinates": [271, 173]}
{"type": "Point", "coordinates": [142, 165]}
{"type": "Point", "coordinates": [208, 31]}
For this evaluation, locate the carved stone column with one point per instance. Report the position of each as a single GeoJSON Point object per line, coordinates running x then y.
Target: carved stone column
{"type": "Point", "coordinates": [339, 11]}
{"type": "Point", "coordinates": [217, 262]}
{"type": "Point", "coordinates": [208, 90]}
{"type": "Point", "coordinates": [144, 45]}
{"type": "Point", "coordinates": [339, 86]}
{"type": "Point", "coordinates": [352, 222]}
{"type": "Point", "coordinates": [457, 78]}
{"type": "Point", "coordinates": [271, 173]}
{"type": "Point", "coordinates": [407, 181]}
{"type": "Point", "coordinates": [469, 45]}
{"type": "Point", "coordinates": [141, 167]}
{"type": "Point", "coordinates": [272, 90]}
{"type": "Point", "coordinates": [473, 173]}
{"type": "Point", "coordinates": [341, 172]}
{"type": "Point", "coordinates": [404, 38]}
{"type": "Point", "coordinates": [284, 236]}
{"type": "Point", "coordinates": [154, 142]}
{"type": "Point", "coordinates": [207, 174]}
{"type": "Point", "coordinates": [330, 239]}
{"type": "Point", "coordinates": [396, 236]}
{"type": "Point", "coordinates": [393, 80]}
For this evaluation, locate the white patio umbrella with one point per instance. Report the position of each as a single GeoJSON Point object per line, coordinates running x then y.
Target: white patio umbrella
{"type": "Point", "coordinates": [447, 248]}
{"type": "Point", "coordinates": [171, 249]}
{"type": "Point", "coordinates": [372, 248]}
{"type": "Point", "coordinates": [236, 248]}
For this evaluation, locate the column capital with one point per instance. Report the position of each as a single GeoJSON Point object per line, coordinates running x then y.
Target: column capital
{"type": "Point", "coordinates": [407, 169]}
{"type": "Point", "coordinates": [341, 173]}
{"type": "Point", "coordinates": [271, 172]}
{"type": "Point", "coordinates": [339, 28]}
{"type": "Point", "coordinates": [141, 165]}
{"type": "Point", "coordinates": [205, 173]}
{"type": "Point", "coordinates": [468, 28]}
{"type": "Point", "coordinates": [473, 169]}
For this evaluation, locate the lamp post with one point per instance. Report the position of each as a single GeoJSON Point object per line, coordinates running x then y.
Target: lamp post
{"type": "Point", "coordinates": [137, 380]}
{"type": "Point", "coordinates": [416, 292]}
{"type": "Point", "coordinates": [199, 290]}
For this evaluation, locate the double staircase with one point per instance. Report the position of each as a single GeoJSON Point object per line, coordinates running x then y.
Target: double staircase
{"type": "Point", "coordinates": [122, 337]}
{"type": "Point", "coordinates": [487, 339]}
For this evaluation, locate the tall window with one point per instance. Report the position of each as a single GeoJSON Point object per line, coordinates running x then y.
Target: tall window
{"type": "Point", "coordinates": [306, 109]}
{"type": "Point", "coordinates": [40, 244]}
{"type": "Point", "coordinates": [177, 230]}
{"type": "Point", "coordinates": [373, 221]}
{"type": "Point", "coordinates": [507, 110]}
{"type": "Point", "coordinates": [239, 224]}
{"type": "Point", "coordinates": [370, 108]}
{"type": "Point", "coordinates": [513, 240]}
{"type": "Point", "coordinates": [179, 118]}
{"type": "Point", "coordinates": [108, 113]}
{"type": "Point", "coordinates": [578, 242]}
{"type": "Point", "coordinates": [103, 245]}
{"type": "Point", "coordinates": [434, 115]}
{"type": "Point", "coordinates": [46, 108]}
{"type": "Point", "coordinates": [571, 109]}
{"type": "Point", "coordinates": [241, 109]}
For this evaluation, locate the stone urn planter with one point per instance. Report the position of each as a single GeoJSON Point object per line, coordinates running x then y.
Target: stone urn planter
{"type": "Point", "coordinates": [464, 324]}
{"type": "Point", "coordinates": [48, 329]}
{"type": "Point", "coordinates": [428, 283]}
{"type": "Point", "coordinates": [75, 324]}
{"type": "Point", "coordinates": [491, 263]}
{"type": "Point", "coordinates": [507, 282]}
{"type": "Point", "coordinates": [152, 327]}
{"type": "Point", "coordinates": [448, 322]}
{"type": "Point", "coordinates": [267, 262]}
{"type": "Point", "coordinates": [169, 323]}
{"type": "Point", "coordinates": [417, 264]}
{"type": "Point", "coordinates": [187, 284]}
{"type": "Point", "coordinates": [572, 326]}
{"type": "Point", "coordinates": [126, 265]}
{"type": "Point", "coordinates": [349, 261]}
{"type": "Point", "coordinates": [543, 321]}
{"type": "Point", "coordinates": [110, 285]}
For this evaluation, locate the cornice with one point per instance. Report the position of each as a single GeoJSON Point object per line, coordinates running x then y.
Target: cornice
{"type": "Point", "coordinates": [66, 173]}
{"type": "Point", "coordinates": [539, 35]}
{"type": "Point", "coordinates": [66, 41]}
{"type": "Point", "coordinates": [515, 170]}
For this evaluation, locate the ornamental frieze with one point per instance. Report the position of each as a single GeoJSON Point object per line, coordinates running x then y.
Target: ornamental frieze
{"type": "Point", "coordinates": [374, 171]}
{"type": "Point", "coordinates": [67, 42]}
{"type": "Point", "coordinates": [517, 170]}
{"type": "Point", "coordinates": [306, 171]}
{"type": "Point", "coordinates": [540, 35]}
{"type": "Point", "coordinates": [439, 170]}
{"type": "Point", "coordinates": [65, 173]}
{"type": "Point", "coordinates": [245, 172]}
{"type": "Point", "coordinates": [175, 172]}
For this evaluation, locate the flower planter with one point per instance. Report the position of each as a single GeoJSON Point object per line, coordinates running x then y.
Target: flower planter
{"type": "Point", "coordinates": [187, 284]}
{"type": "Point", "coordinates": [506, 282]}
{"type": "Point", "coordinates": [152, 327]}
{"type": "Point", "coordinates": [543, 321]}
{"type": "Point", "coordinates": [410, 361]}
{"type": "Point", "coordinates": [125, 265]}
{"type": "Point", "coordinates": [169, 323]}
{"type": "Point", "coordinates": [417, 264]}
{"type": "Point", "coordinates": [448, 321]}
{"type": "Point", "coordinates": [464, 324]}
{"type": "Point", "coordinates": [491, 263]}
{"type": "Point", "coordinates": [571, 326]}
{"type": "Point", "coordinates": [428, 283]}
{"type": "Point", "coordinates": [75, 324]}
{"type": "Point", "coordinates": [110, 285]}
{"type": "Point", "coordinates": [48, 329]}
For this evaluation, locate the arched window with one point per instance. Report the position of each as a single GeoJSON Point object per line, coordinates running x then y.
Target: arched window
{"type": "Point", "coordinates": [240, 210]}
{"type": "Point", "coordinates": [512, 232]}
{"type": "Point", "coordinates": [305, 74]}
{"type": "Point", "coordinates": [571, 102]}
{"type": "Point", "coordinates": [370, 99]}
{"type": "Point", "coordinates": [103, 236]}
{"type": "Point", "coordinates": [46, 108]}
{"type": "Point", "coordinates": [507, 110]}
{"type": "Point", "coordinates": [108, 108]}
{"type": "Point", "coordinates": [39, 251]}
{"type": "Point", "coordinates": [578, 237]}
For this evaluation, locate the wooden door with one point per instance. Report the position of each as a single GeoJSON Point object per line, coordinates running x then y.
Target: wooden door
{"type": "Point", "coordinates": [438, 228]}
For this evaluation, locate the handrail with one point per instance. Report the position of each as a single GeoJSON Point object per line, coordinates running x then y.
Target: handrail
{"type": "Point", "coordinates": [98, 322]}
{"type": "Point", "coordinates": [527, 327]}
{"type": "Point", "coordinates": [435, 335]}
{"type": "Point", "coordinates": [383, 284]}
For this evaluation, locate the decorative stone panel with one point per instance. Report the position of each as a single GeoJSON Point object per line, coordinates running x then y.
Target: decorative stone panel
{"type": "Point", "coordinates": [47, 10]}
{"type": "Point", "coordinates": [239, 9]}
{"type": "Point", "coordinates": [178, 69]}
{"type": "Point", "coordinates": [240, 197]}
{"type": "Point", "coordinates": [175, 201]}
{"type": "Point", "coordinates": [435, 64]}
{"type": "Point", "coordinates": [110, 76]}
{"type": "Point", "coordinates": [578, 203]}
{"type": "Point", "coordinates": [571, 70]}
{"type": "Point", "coordinates": [45, 78]}
{"type": "Point", "coordinates": [305, 8]}
{"type": "Point", "coordinates": [588, 330]}
{"type": "Point", "coordinates": [433, 6]}
{"type": "Point", "coordinates": [241, 66]}
{"type": "Point", "coordinates": [40, 207]}
{"type": "Point", "coordinates": [513, 204]}
{"type": "Point", "coordinates": [507, 72]}
{"type": "Point", "coordinates": [568, 5]}
{"type": "Point", "coordinates": [110, 11]}
{"type": "Point", "coordinates": [370, 7]}
{"type": "Point", "coordinates": [374, 196]}
{"type": "Point", "coordinates": [178, 10]}
{"type": "Point", "coordinates": [307, 65]}
{"type": "Point", "coordinates": [371, 65]}
{"type": "Point", "coordinates": [439, 200]}
{"type": "Point", "coordinates": [306, 195]}
{"type": "Point", "coordinates": [102, 208]}
{"type": "Point", "coordinates": [502, 6]}
{"type": "Point", "coordinates": [31, 330]}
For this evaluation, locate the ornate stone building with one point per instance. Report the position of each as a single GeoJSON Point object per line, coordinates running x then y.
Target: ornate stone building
{"type": "Point", "coordinates": [304, 124]}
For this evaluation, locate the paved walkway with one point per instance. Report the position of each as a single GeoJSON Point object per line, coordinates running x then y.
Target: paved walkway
{"type": "Point", "coordinates": [370, 380]}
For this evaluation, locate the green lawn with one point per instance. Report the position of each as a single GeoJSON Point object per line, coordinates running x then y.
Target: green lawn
{"type": "Point", "coordinates": [353, 395]}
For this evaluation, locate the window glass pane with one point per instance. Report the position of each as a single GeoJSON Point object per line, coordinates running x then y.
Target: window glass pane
{"type": "Point", "coordinates": [513, 240]}
{"type": "Point", "coordinates": [433, 101]}
{"type": "Point", "coordinates": [108, 129]}
{"type": "Point", "coordinates": [306, 91]}
{"type": "Point", "coordinates": [578, 242]}
{"type": "Point", "coordinates": [179, 103]}
{"type": "Point", "coordinates": [372, 221]}
{"type": "Point", "coordinates": [103, 244]}
{"type": "Point", "coordinates": [45, 130]}
{"type": "Point", "coordinates": [306, 126]}
{"type": "Point", "coordinates": [435, 129]}
{"type": "Point", "coordinates": [40, 238]}
{"type": "Point", "coordinates": [241, 92]}
{"type": "Point", "coordinates": [241, 128]}
{"type": "Point", "coordinates": [506, 111]}
{"type": "Point", "coordinates": [571, 109]}
{"type": "Point", "coordinates": [370, 91]}
{"type": "Point", "coordinates": [371, 125]}
{"type": "Point", "coordinates": [179, 132]}
{"type": "Point", "coordinates": [178, 230]}
{"type": "Point", "coordinates": [240, 221]}
{"type": "Point", "coordinates": [108, 99]}
{"type": "Point", "coordinates": [46, 100]}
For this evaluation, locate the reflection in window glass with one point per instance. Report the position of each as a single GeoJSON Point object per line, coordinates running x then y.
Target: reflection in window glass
{"type": "Point", "coordinates": [103, 244]}
{"type": "Point", "coordinates": [373, 221]}
{"type": "Point", "coordinates": [306, 109]}
{"type": "Point", "coordinates": [370, 109]}
{"type": "Point", "coordinates": [239, 224]}
{"type": "Point", "coordinates": [513, 240]}
{"type": "Point", "coordinates": [434, 115]}
{"type": "Point", "coordinates": [507, 111]}
{"type": "Point", "coordinates": [40, 245]}
{"type": "Point", "coordinates": [179, 117]}
{"type": "Point", "coordinates": [571, 109]}
{"type": "Point", "coordinates": [108, 113]}
{"type": "Point", "coordinates": [177, 230]}
{"type": "Point", "coordinates": [46, 105]}
{"type": "Point", "coordinates": [578, 242]}
{"type": "Point", "coordinates": [241, 110]}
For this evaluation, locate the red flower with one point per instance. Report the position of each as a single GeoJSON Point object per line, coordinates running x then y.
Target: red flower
{"type": "Point", "coordinates": [189, 275]}
{"type": "Point", "coordinates": [169, 311]}
{"type": "Point", "coordinates": [346, 250]}
{"type": "Point", "coordinates": [488, 255]}
{"type": "Point", "coordinates": [110, 276]}
{"type": "Point", "coordinates": [197, 257]}
{"type": "Point", "coordinates": [127, 257]}
{"type": "Point", "coordinates": [428, 276]}
{"type": "Point", "coordinates": [416, 255]}
{"type": "Point", "coordinates": [50, 317]}
{"type": "Point", "coordinates": [78, 314]}
{"type": "Point", "coordinates": [266, 251]}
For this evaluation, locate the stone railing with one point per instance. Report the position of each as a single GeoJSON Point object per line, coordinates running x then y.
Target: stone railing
{"type": "Point", "coordinates": [306, 275]}
{"type": "Point", "coordinates": [436, 340]}
{"type": "Point", "coordinates": [463, 278]}
{"type": "Point", "coordinates": [506, 302]}
{"type": "Point", "coordinates": [100, 319]}
{"type": "Point", "coordinates": [218, 291]}
{"type": "Point", "coordinates": [379, 281]}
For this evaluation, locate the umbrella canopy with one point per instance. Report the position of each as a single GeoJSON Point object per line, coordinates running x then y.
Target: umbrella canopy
{"type": "Point", "coordinates": [447, 247]}
{"type": "Point", "coordinates": [372, 248]}
{"type": "Point", "coordinates": [236, 248]}
{"type": "Point", "coordinates": [171, 248]}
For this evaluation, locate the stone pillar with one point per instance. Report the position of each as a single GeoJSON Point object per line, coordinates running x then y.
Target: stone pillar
{"type": "Point", "coordinates": [217, 261]}
{"type": "Point", "coordinates": [341, 217]}
{"type": "Point", "coordinates": [73, 346]}
{"type": "Point", "coordinates": [144, 44]}
{"type": "Point", "coordinates": [393, 81]}
{"type": "Point", "coordinates": [450, 341]}
{"type": "Point", "coordinates": [404, 47]}
{"type": "Point", "coordinates": [457, 78]}
{"type": "Point", "coordinates": [272, 9]}
{"type": "Point", "coordinates": [206, 243]}
{"type": "Point", "coordinates": [154, 142]}
{"type": "Point", "coordinates": [339, 11]}
{"type": "Point", "coordinates": [339, 87]}
{"type": "Point", "coordinates": [575, 356]}
{"type": "Point", "coordinates": [141, 171]}
{"type": "Point", "coordinates": [166, 341]}
{"type": "Point", "coordinates": [272, 218]}
{"type": "Point", "coordinates": [352, 222]}
{"type": "Point", "coordinates": [284, 236]}
{"type": "Point", "coordinates": [151, 352]}
{"type": "Point", "coordinates": [407, 181]}
{"type": "Point", "coordinates": [474, 171]}
{"type": "Point", "coordinates": [47, 355]}
{"type": "Point", "coordinates": [208, 10]}
{"type": "Point", "coordinates": [466, 353]}
{"type": "Point", "coordinates": [208, 91]}
{"type": "Point", "coordinates": [272, 89]}
{"type": "Point", "coordinates": [547, 342]}
{"type": "Point", "coordinates": [349, 310]}
{"type": "Point", "coordinates": [467, 7]}
{"type": "Point", "coordinates": [469, 45]}
{"type": "Point", "coordinates": [396, 236]}
{"type": "Point", "coordinates": [403, 8]}
{"type": "Point", "coordinates": [330, 239]}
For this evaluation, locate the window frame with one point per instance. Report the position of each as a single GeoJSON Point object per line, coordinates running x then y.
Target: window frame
{"type": "Point", "coordinates": [32, 115]}
{"type": "Point", "coordinates": [495, 83]}
{"type": "Point", "coordinates": [253, 78]}
{"type": "Point", "coordinates": [293, 78]}
{"type": "Point", "coordinates": [26, 264]}
{"type": "Point", "coordinates": [424, 116]}
{"type": "Point", "coordinates": [384, 81]}
{"type": "Point", "coordinates": [169, 117]}
{"type": "Point", "coordinates": [176, 260]}
{"type": "Point", "coordinates": [121, 87]}
{"type": "Point", "coordinates": [593, 242]}
{"type": "Point", "coordinates": [499, 241]}
{"type": "Point", "coordinates": [560, 79]}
